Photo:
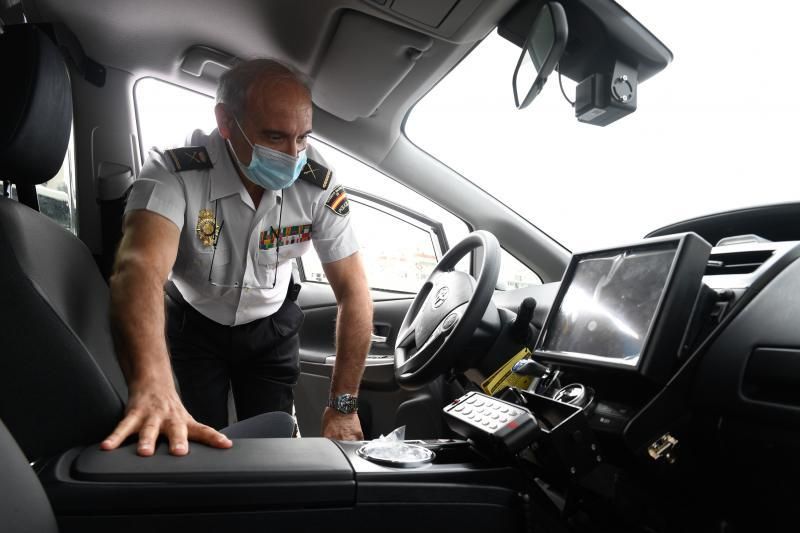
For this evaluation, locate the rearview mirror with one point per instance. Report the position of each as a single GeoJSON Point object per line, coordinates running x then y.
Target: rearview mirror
{"type": "Point", "coordinates": [540, 54]}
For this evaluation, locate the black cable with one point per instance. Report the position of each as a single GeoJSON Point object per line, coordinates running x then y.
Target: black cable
{"type": "Point", "coordinates": [278, 237]}
{"type": "Point", "coordinates": [563, 91]}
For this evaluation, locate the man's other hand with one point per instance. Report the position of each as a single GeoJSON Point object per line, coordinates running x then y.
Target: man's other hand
{"type": "Point", "coordinates": [339, 426]}
{"type": "Point", "coordinates": [157, 410]}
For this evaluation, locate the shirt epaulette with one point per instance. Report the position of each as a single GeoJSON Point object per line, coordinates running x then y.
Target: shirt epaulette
{"type": "Point", "coordinates": [317, 174]}
{"type": "Point", "coordinates": [189, 158]}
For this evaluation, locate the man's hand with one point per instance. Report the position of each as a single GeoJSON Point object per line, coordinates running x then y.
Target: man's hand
{"type": "Point", "coordinates": [339, 426]}
{"type": "Point", "coordinates": [156, 410]}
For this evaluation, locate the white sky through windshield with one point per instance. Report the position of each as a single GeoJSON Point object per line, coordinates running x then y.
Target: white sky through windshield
{"type": "Point", "coordinates": [714, 131]}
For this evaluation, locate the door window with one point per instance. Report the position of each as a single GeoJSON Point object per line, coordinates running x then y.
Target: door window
{"type": "Point", "coordinates": [402, 234]}
{"type": "Point", "coordinates": [515, 275]}
{"type": "Point", "coordinates": [167, 114]}
{"type": "Point", "coordinates": [398, 253]}
{"type": "Point", "coordinates": [57, 195]}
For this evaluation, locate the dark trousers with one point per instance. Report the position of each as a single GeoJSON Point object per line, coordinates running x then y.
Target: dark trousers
{"type": "Point", "coordinates": [258, 360]}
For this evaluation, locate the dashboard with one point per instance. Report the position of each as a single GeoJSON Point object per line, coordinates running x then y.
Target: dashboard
{"type": "Point", "coordinates": [709, 398]}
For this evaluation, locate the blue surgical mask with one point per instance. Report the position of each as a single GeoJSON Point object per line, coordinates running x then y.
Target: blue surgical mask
{"type": "Point", "coordinates": [270, 168]}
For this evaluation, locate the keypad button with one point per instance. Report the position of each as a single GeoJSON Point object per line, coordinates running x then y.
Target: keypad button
{"type": "Point", "coordinates": [504, 409]}
{"type": "Point", "coordinates": [459, 408]}
{"type": "Point", "coordinates": [467, 410]}
{"type": "Point", "coordinates": [479, 403]}
{"type": "Point", "coordinates": [503, 419]}
{"type": "Point", "coordinates": [512, 413]}
{"type": "Point", "coordinates": [485, 422]}
{"type": "Point", "coordinates": [472, 400]}
{"type": "Point", "coordinates": [495, 416]}
{"type": "Point", "coordinates": [493, 426]}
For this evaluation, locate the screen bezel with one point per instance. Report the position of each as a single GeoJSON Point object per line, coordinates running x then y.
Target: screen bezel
{"type": "Point", "coordinates": [666, 330]}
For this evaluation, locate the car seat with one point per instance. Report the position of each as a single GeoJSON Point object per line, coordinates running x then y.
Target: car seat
{"type": "Point", "coordinates": [60, 383]}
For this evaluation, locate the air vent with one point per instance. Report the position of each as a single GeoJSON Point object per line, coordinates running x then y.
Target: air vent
{"type": "Point", "coordinates": [736, 262]}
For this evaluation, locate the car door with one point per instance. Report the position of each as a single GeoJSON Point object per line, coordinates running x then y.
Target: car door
{"type": "Point", "coordinates": [399, 248]}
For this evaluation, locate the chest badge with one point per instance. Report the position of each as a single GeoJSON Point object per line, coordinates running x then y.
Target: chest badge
{"type": "Point", "coordinates": [207, 228]}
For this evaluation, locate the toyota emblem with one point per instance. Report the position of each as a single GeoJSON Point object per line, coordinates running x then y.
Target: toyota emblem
{"type": "Point", "coordinates": [441, 296]}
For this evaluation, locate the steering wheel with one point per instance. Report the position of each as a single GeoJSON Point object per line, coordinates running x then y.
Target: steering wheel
{"type": "Point", "coordinates": [445, 313]}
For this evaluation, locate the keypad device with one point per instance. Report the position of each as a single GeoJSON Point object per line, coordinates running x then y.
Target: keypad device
{"type": "Point", "coordinates": [491, 422]}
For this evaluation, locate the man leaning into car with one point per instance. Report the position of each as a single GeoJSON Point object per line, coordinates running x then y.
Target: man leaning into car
{"type": "Point", "coordinates": [216, 226]}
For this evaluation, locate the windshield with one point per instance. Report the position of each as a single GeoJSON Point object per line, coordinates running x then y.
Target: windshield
{"type": "Point", "coordinates": [714, 131]}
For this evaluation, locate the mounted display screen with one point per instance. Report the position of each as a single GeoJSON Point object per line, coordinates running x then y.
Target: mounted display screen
{"type": "Point", "coordinates": [610, 303]}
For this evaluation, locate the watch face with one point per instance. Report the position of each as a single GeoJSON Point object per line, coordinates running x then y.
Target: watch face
{"type": "Point", "coordinates": [345, 403]}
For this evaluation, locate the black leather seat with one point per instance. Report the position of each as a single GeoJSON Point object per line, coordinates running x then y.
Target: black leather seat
{"type": "Point", "coordinates": [60, 384]}
{"type": "Point", "coordinates": [24, 507]}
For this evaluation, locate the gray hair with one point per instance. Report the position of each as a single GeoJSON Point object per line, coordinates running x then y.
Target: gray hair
{"type": "Point", "coordinates": [236, 82]}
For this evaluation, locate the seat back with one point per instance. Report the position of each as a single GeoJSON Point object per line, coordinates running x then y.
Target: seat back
{"type": "Point", "coordinates": [60, 383]}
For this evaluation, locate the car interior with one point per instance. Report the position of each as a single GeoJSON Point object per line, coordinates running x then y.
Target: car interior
{"type": "Point", "coordinates": [646, 386]}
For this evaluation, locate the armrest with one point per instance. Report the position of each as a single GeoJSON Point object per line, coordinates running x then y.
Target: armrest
{"type": "Point", "coordinates": [250, 460]}
{"type": "Point", "coordinates": [262, 473]}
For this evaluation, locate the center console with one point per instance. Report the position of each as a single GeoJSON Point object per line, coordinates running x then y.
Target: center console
{"type": "Point", "coordinates": [282, 485]}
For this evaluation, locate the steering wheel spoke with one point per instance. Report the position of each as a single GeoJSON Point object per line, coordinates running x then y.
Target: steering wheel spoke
{"type": "Point", "coordinates": [407, 338]}
{"type": "Point", "coordinates": [409, 365]}
{"type": "Point", "coordinates": [422, 353]}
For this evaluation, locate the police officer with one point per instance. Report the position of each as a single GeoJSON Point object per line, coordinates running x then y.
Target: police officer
{"type": "Point", "coordinates": [216, 225]}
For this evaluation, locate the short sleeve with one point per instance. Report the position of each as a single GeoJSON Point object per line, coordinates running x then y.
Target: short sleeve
{"type": "Point", "coordinates": [158, 190]}
{"type": "Point", "coordinates": [333, 234]}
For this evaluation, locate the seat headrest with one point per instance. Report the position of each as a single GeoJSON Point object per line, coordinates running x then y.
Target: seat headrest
{"type": "Point", "coordinates": [35, 106]}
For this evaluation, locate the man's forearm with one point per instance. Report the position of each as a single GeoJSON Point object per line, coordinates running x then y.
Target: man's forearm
{"type": "Point", "coordinates": [353, 333]}
{"type": "Point", "coordinates": [137, 320]}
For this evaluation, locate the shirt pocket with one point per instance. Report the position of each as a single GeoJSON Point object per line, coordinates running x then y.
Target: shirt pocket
{"type": "Point", "coordinates": [266, 258]}
{"type": "Point", "coordinates": [214, 265]}
{"type": "Point", "coordinates": [290, 251]}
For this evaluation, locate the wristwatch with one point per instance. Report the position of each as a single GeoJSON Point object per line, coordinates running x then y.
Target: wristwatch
{"type": "Point", "coordinates": [344, 403]}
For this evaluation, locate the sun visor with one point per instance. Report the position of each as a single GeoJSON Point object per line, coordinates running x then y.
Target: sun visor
{"type": "Point", "coordinates": [366, 59]}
